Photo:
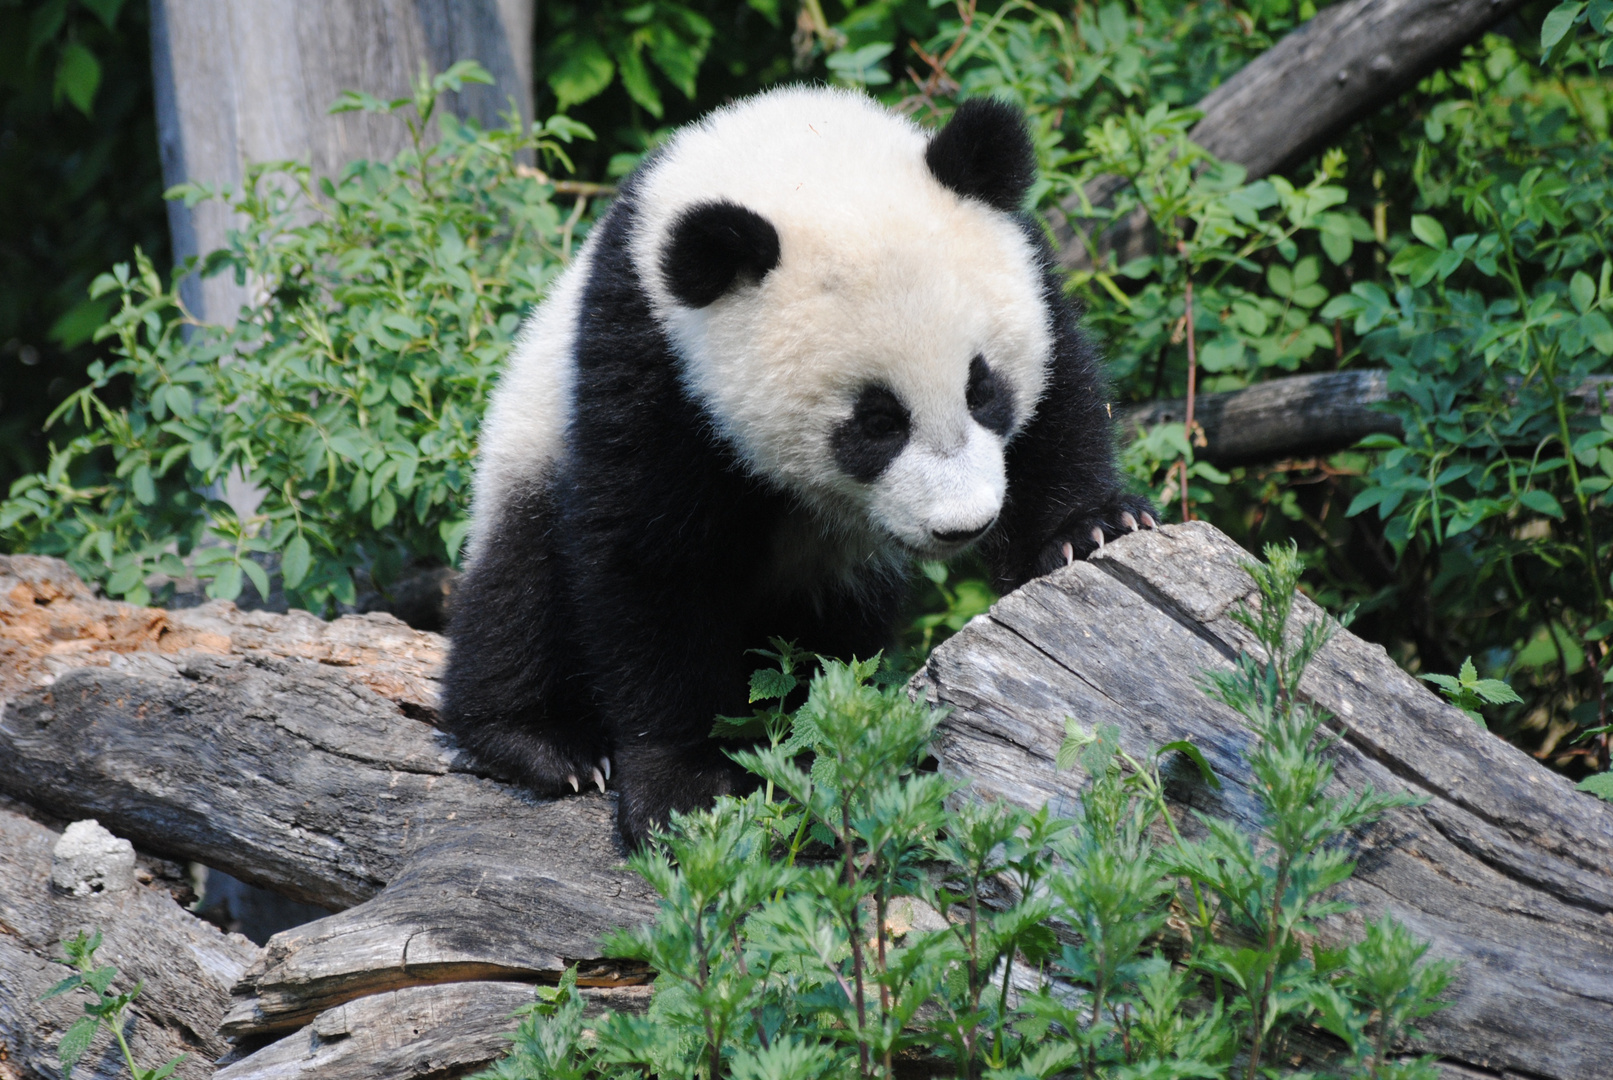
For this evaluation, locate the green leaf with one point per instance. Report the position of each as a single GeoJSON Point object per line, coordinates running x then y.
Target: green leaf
{"type": "Point", "coordinates": [78, 76]}
{"type": "Point", "coordinates": [636, 79]}
{"type": "Point", "coordinates": [1558, 22]}
{"type": "Point", "coordinates": [383, 509]}
{"type": "Point", "coordinates": [1600, 785]}
{"type": "Point", "coordinates": [1496, 692]}
{"type": "Point", "coordinates": [1582, 291]}
{"type": "Point", "coordinates": [75, 1042]}
{"type": "Point", "coordinates": [179, 401]}
{"type": "Point", "coordinates": [105, 10]}
{"type": "Point", "coordinates": [1193, 753]}
{"type": "Point", "coordinates": [72, 982]}
{"type": "Point", "coordinates": [1542, 502]}
{"type": "Point", "coordinates": [769, 684]}
{"type": "Point", "coordinates": [144, 488]}
{"type": "Point", "coordinates": [226, 583]}
{"type": "Point", "coordinates": [45, 23]}
{"type": "Point", "coordinates": [203, 455]}
{"type": "Point", "coordinates": [583, 74]}
{"type": "Point", "coordinates": [1429, 231]}
{"type": "Point", "coordinates": [296, 561]}
{"type": "Point", "coordinates": [1337, 241]}
{"type": "Point", "coordinates": [1598, 332]}
{"type": "Point", "coordinates": [167, 1069]}
{"type": "Point", "coordinates": [260, 578]}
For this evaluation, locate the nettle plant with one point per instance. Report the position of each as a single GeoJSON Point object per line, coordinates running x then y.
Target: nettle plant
{"type": "Point", "coordinates": [859, 913]}
{"type": "Point", "coordinates": [348, 393]}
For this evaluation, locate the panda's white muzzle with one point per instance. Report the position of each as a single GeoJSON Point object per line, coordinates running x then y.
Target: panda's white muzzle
{"type": "Point", "coordinates": [936, 501]}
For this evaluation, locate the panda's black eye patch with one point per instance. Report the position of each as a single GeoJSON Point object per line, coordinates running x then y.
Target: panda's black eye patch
{"type": "Point", "coordinates": [988, 398]}
{"type": "Point", "coordinates": [867, 442]}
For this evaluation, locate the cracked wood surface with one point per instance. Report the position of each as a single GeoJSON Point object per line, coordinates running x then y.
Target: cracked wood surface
{"type": "Point", "coordinates": [295, 754]}
{"type": "Point", "coordinates": [188, 967]}
{"type": "Point", "coordinates": [1506, 868]}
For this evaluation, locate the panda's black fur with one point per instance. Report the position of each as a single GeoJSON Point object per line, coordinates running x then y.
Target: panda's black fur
{"type": "Point", "coordinates": [606, 613]}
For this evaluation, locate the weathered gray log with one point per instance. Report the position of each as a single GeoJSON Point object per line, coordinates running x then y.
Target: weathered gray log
{"type": "Point", "coordinates": [1298, 415]}
{"type": "Point", "coordinates": [187, 965]}
{"type": "Point", "coordinates": [1506, 868]}
{"type": "Point", "coordinates": [1339, 66]}
{"type": "Point", "coordinates": [1301, 415]}
{"type": "Point", "coordinates": [1343, 64]}
{"type": "Point", "coordinates": [239, 83]}
{"type": "Point", "coordinates": [416, 1033]}
{"type": "Point", "coordinates": [289, 751]}
{"type": "Point", "coordinates": [475, 903]}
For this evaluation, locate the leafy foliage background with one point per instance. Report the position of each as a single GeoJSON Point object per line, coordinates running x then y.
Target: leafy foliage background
{"type": "Point", "coordinates": [1459, 239]}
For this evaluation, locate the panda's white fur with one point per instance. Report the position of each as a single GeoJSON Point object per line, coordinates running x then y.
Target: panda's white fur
{"type": "Point", "coordinates": [807, 342]}
{"type": "Point", "coordinates": [883, 273]}
{"type": "Point", "coordinates": [524, 429]}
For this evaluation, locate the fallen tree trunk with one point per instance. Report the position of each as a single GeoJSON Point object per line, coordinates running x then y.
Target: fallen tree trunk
{"type": "Point", "coordinates": [297, 753]}
{"type": "Point", "coordinates": [1343, 64]}
{"type": "Point", "coordinates": [188, 966]}
{"type": "Point", "coordinates": [1301, 415]}
{"type": "Point", "coordinates": [1506, 868]}
{"type": "Point", "coordinates": [1295, 416]}
{"type": "Point", "coordinates": [292, 753]}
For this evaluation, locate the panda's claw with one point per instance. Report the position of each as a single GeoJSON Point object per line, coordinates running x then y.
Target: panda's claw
{"type": "Point", "coordinates": [604, 763]}
{"type": "Point", "coordinates": [1069, 553]}
{"type": "Point", "coordinates": [599, 779]}
{"type": "Point", "coordinates": [572, 780]}
{"type": "Point", "coordinates": [1149, 521]}
{"type": "Point", "coordinates": [1128, 521]}
{"type": "Point", "coordinates": [1097, 537]}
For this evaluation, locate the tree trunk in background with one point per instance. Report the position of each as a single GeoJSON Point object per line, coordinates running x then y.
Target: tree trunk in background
{"type": "Point", "coordinates": [1303, 92]}
{"type": "Point", "coordinates": [239, 81]}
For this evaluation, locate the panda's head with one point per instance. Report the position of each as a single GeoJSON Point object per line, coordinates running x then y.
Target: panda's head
{"type": "Point", "coordinates": [855, 303]}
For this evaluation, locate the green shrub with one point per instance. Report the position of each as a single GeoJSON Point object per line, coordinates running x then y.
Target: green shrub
{"type": "Point", "coordinates": [791, 941]}
{"type": "Point", "coordinates": [348, 393]}
{"type": "Point", "coordinates": [107, 1008]}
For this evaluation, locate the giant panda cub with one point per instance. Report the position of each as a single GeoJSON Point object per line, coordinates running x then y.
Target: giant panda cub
{"type": "Point", "coordinates": [808, 343]}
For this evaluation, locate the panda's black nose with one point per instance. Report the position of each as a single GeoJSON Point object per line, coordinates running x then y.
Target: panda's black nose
{"type": "Point", "coordinates": [962, 536]}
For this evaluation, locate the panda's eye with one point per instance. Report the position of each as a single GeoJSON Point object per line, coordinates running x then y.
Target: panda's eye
{"type": "Point", "coordinates": [869, 439]}
{"type": "Point", "coordinates": [988, 398]}
{"type": "Point", "coordinates": [882, 425]}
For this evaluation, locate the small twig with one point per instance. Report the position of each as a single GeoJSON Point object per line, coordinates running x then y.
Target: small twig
{"type": "Point", "coordinates": [1192, 379]}
{"type": "Point", "coordinates": [585, 188]}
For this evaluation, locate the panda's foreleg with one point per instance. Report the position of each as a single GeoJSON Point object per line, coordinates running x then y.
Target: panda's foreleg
{"type": "Point", "coordinates": [514, 692]}
{"type": "Point", "coordinates": [673, 642]}
{"type": "Point", "coordinates": [1066, 496]}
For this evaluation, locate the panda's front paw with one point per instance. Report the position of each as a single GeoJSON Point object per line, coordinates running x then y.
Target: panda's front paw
{"type": "Point", "coordinates": [551, 768]}
{"type": "Point", "coordinates": [658, 780]}
{"type": "Point", "coordinates": [1083, 533]}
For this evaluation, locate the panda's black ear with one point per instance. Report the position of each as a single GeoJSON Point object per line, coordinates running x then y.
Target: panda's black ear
{"type": "Point", "coordinates": [985, 153]}
{"type": "Point", "coordinates": [713, 243]}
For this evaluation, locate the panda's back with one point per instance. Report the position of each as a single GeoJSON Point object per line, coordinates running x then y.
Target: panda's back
{"type": "Point", "coordinates": [523, 433]}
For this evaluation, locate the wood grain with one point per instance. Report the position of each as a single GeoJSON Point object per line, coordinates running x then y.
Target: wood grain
{"type": "Point", "coordinates": [187, 965]}
{"type": "Point", "coordinates": [252, 82]}
{"type": "Point", "coordinates": [417, 1033]}
{"type": "Point", "coordinates": [1506, 869]}
{"type": "Point", "coordinates": [295, 753]}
